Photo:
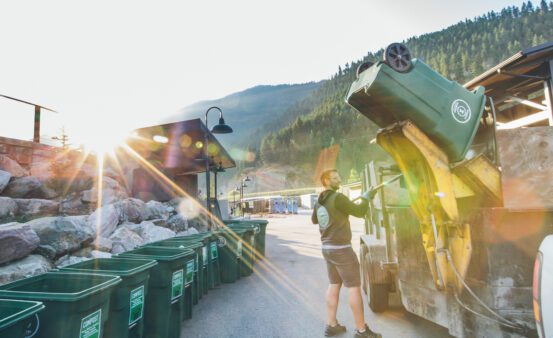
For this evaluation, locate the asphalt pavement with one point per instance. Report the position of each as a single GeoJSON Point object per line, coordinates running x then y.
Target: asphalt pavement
{"type": "Point", "coordinates": [285, 295]}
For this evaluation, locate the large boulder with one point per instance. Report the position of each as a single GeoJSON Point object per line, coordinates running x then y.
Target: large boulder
{"type": "Point", "coordinates": [35, 207]}
{"type": "Point", "coordinates": [4, 179]}
{"type": "Point", "coordinates": [16, 241]}
{"type": "Point", "coordinates": [21, 187]}
{"type": "Point", "coordinates": [63, 234]}
{"type": "Point", "coordinates": [151, 232]}
{"type": "Point", "coordinates": [69, 260]}
{"type": "Point", "coordinates": [12, 167]}
{"type": "Point", "coordinates": [132, 210]}
{"type": "Point", "coordinates": [109, 196]}
{"type": "Point", "coordinates": [102, 244]}
{"type": "Point", "coordinates": [157, 210]}
{"type": "Point", "coordinates": [30, 266]}
{"type": "Point", "coordinates": [178, 223]}
{"type": "Point", "coordinates": [104, 220]}
{"type": "Point", "coordinates": [72, 205]}
{"type": "Point", "coordinates": [124, 240]}
{"type": "Point", "coordinates": [8, 208]}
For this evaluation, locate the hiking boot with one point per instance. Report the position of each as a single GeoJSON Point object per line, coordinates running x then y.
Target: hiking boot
{"type": "Point", "coordinates": [334, 330]}
{"type": "Point", "coordinates": [367, 333]}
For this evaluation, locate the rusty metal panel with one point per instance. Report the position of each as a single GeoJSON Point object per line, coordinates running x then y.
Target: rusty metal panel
{"type": "Point", "coordinates": [526, 157]}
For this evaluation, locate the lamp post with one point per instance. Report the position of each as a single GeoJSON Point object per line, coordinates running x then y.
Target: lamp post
{"type": "Point", "coordinates": [220, 128]}
{"type": "Point", "coordinates": [242, 186]}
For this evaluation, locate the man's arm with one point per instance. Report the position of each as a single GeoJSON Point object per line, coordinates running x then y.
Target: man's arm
{"type": "Point", "coordinates": [314, 218]}
{"type": "Point", "coordinates": [348, 207]}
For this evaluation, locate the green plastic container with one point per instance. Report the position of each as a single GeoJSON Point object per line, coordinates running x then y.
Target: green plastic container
{"type": "Point", "coordinates": [76, 304]}
{"type": "Point", "coordinates": [166, 290]}
{"type": "Point", "coordinates": [260, 236]}
{"type": "Point", "coordinates": [247, 233]}
{"type": "Point", "coordinates": [204, 266]}
{"type": "Point", "coordinates": [189, 270]}
{"type": "Point", "coordinates": [128, 300]}
{"type": "Point", "coordinates": [212, 257]}
{"type": "Point", "coordinates": [444, 110]}
{"type": "Point", "coordinates": [231, 254]}
{"type": "Point", "coordinates": [18, 319]}
{"type": "Point", "coordinates": [197, 247]}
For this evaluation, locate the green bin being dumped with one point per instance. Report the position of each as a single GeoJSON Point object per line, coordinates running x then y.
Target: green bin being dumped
{"type": "Point", "coordinates": [128, 299]}
{"type": "Point", "coordinates": [76, 304]}
{"type": "Point", "coordinates": [166, 290]}
{"type": "Point", "coordinates": [444, 110]}
{"type": "Point", "coordinates": [18, 319]}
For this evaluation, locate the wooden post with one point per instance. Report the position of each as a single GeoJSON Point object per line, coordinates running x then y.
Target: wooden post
{"type": "Point", "coordinates": [36, 135]}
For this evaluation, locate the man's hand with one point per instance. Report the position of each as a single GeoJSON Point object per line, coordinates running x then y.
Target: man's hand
{"type": "Point", "coordinates": [369, 194]}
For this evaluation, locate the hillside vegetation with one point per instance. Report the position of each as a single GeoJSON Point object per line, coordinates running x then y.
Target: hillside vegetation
{"type": "Point", "coordinates": [459, 52]}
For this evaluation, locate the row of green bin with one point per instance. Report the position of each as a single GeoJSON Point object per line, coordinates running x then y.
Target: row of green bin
{"type": "Point", "coordinates": [110, 297]}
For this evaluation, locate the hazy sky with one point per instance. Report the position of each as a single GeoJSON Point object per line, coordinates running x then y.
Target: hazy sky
{"type": "Point", "coordinates": [114, 65]}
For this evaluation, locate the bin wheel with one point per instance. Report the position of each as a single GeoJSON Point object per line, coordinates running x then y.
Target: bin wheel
{"type": "Point", "coordinates": [363, 67]}
{"type": "Point", "coordinates": [378, 297]}
{"type": "Point", "coordinates": [398, 57]}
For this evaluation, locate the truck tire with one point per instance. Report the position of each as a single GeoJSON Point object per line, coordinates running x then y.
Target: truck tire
{"type": "Point", "coordinates": [378, 297]}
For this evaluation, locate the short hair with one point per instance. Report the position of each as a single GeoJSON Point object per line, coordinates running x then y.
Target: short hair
{"type": "Point", "coordinates": [326, 175]}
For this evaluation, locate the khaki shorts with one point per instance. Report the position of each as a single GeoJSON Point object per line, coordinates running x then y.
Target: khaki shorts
{"type": "Point", "coordinates": [343, 267]}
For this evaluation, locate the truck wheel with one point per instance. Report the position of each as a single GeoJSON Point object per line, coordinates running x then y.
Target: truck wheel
{"type": "Point", "coordinates": [378, 297]}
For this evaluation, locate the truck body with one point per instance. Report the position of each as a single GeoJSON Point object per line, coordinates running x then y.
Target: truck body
{"type": "Point", "coordinates": [457, 237]}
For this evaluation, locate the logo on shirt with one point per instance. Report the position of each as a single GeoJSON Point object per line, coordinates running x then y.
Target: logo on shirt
{"type": "Point", "coordinates": [323, 217]}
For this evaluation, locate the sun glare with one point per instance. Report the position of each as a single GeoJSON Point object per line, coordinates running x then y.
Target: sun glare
{"type": "Point", "coordinates": [104, 142]}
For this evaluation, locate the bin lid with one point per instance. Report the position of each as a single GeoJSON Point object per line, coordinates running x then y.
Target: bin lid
{"type": "Point", "coordinates": [112, 266]}
{"type": "Point", "coordinates": [157, 253]}
{"type": "Point", "coordinates": [12, 311]}
{"type": "Point", "coordinates": [177, 244]}
{"type": "Point", "coordinates": [59, 286]}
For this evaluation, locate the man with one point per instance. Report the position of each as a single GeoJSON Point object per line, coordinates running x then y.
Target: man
{"type": "Point", "coordinates": [332, 212]}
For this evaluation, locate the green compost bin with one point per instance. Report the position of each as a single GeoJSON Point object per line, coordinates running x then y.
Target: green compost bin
{"type": "Point", "coordinates": [189, 272]}
{"type": "Point", "coordinates": [128, 300]}
{"type": "Point", "coordinates": [18, 319]}
{"type": "Point", "coordinates": [444, 110]}
{"type": "Point", "coordinates": [204, 268]}
{"type": "Point", "coordinates": [247, 234]}
{"type": "Point", "coordinates": [211, 256]}
{"type": "Point", "coordinates": [76, 304]}
{"type": "Point", "coordinates": [260, 234]}
{"type": "Point", "coordinates": [197, 247]}
{"type": "Point", "coordinates": [231, 254]}
{"type": "Point", "coordinates": [166, 289]}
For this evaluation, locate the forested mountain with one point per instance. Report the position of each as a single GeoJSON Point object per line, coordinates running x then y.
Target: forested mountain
{"type": "Point", "coordinates": [459, 52]}
{"type": "Point", "coordinates": [247, 110]}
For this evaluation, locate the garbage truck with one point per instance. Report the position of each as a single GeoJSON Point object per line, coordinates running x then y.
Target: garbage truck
{"type": "Point", "coordinates": [457, 236]}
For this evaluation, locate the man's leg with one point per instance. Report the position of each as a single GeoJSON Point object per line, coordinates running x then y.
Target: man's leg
{"type": "Point", "coordinates": [356, 305]}
{"type": "Point", "coordinates": [332, 298]}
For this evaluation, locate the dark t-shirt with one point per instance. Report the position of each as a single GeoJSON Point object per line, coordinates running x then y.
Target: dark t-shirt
{"type": "Point", "coordinates": [339, 207]}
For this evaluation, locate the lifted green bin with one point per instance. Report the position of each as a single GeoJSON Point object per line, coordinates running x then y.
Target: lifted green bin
{"type": "Point", "coordinates": [76, 304]}
{"type": "Point", "coordinates": [18, 319]}
{"type": "Point", "coordinates": [166, 290]}
{"type": "Point", "coordinates": [126, 316]}
{"type": "Point", "coordinates": [447, 112]}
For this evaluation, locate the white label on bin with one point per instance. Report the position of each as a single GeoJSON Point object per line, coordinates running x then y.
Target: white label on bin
{"type": "Point", "coordinates": [189, 272]}
{"type": "Point", "coordinates": [460, 110]}
{"type": "Point", "coordinates": [204, 254]}
{"type": "Point", "coordinates": [91, 325]}
{"type": "Point", "coordinates": [214, 253]}
{"type": "Point", "coordinates": [136, 305]}
{"type": "Point", "coordinates": [239, 249]}
{"type": "Point", "coordinates": [176, 286]}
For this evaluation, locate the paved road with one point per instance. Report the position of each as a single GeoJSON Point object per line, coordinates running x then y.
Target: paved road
{"type": "Point", "coordinates": [285, 296]}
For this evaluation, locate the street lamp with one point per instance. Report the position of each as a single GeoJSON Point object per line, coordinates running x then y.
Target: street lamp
{"type": "Point", "coordinates": [242, 186]}
{"type": "Point", "coordinates": [220, 128]}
